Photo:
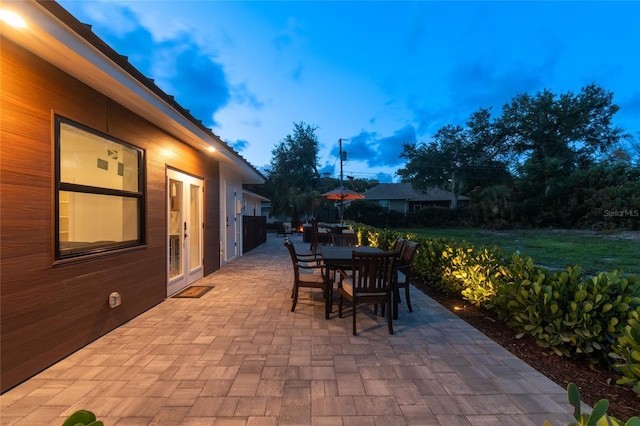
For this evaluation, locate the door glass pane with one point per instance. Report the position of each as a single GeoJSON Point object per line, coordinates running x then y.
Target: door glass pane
{"type": "Point", "coordinates": [195, 227]}
{"type": "Point", "coordinates": [175, 228]}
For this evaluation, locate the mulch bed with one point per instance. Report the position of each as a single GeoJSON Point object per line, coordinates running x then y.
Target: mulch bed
{"type": "Point", "coordinates": [594, 383]}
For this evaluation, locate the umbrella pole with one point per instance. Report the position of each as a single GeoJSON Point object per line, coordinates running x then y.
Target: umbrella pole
{"type": "Point", "coordinates": [341, 198]}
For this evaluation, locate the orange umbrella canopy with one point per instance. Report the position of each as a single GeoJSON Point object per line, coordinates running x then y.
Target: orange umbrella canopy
{"type": "Point", "coordinates": [342, 193]}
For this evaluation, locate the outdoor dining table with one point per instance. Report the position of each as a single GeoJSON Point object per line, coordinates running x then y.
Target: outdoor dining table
{"type": "Point", "coordinates": [337, 228]}
{"type": "Point", "coordinates": [335, 257]}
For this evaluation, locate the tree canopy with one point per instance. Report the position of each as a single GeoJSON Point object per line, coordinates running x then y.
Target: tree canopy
{"type": "Point", "coordinates": [538, 139]}
{"type": "Point", "coordinates": [539, 162]}
{"type": "Point", "coordinates": [458, 158]}
{"type": "Point", "coordinates": [293, 171]}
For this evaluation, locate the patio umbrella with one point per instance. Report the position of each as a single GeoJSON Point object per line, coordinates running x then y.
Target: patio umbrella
{"type": "Point", "coordinates": [341, 193]}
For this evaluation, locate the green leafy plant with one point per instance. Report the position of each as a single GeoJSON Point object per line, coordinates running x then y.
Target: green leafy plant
{"type": "Point", "coordinates": [626, 352]}
{"type": "Point", "coordinates": [477, 271]}
{"type": "Point", "coordinates": [598, 416]}
{"type": "Point", "coordinates": [428, 262]}
{"type": "Point", "coordinates": [82, 418]}
{"type": "Point", "coordinates": [573, 314]}
{"type": "Point", "coordinates": [521, 299]}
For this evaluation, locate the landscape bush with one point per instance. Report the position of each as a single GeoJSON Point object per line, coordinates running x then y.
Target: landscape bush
{"type": "Point", "coordinates": [601, 197]}
{"type": "Point", "coordinates": [573, 314]}
{"type": "Point", "coordinates": [439, 217]}
{"type": "Point", "coordinates": [474, 271]}
{"type": "Point", "coordinates": [626, 352]}
{"type": "Point", "coordinates": [598, 415]}
{"type": "Point", "coordinates": [373, 214]}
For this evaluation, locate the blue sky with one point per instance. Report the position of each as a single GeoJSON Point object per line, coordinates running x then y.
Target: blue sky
{"type": "Point", "coordinates": [376, 73]}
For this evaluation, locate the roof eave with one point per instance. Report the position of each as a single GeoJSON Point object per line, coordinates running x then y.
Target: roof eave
{"type": "Point", "coordinates": [56, 36]}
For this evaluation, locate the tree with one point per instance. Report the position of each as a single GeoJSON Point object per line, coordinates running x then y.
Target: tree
{"type": "Point", "coordinates": [458, 158]}
{"type": "Point", "coordinates": [556, 135]}
{"type": "Point", "coordinates": [308, 203]}
{"type": "Point", "coordinates": [359, 184]}
{"type": "Point", "coordinates": [435, 164]}
{"type": "Point", "coordinates": [294, 171]}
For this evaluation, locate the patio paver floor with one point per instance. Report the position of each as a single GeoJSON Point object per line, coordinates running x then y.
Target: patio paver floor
{"type": "Point", "coordinates": [239, 356]}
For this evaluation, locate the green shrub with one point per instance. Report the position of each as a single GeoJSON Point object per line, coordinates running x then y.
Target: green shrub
{"type": "Point", "coordinates": [626, 352]}
{"type": "Point", "coordinates": [439, 217]}
{"type": "Point", "coordinates": [573, 315]}
{"type": "Point", "coordinates": [82, 418]}
{"type": "Point", "coordinates": [373, 214]}
{"type": "Point", "coordinates": [598, 415]}
{"type": "Point", "coordinates": [381, 238]}
{"type": "Point", "coordinates": [473, 271]}
{"type": "Point", "coordinates": [428, 262]}
{"type": "Point", "coordinates": [526, 300]}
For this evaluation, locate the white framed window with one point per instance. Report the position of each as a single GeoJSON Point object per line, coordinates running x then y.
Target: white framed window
{"type": "Point", "coordinates": [99, 194]}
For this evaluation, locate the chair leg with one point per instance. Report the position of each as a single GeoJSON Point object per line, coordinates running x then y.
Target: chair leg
{"type": "Point", "coordinates": [339, 305]}
{"type": "Point", "coordinates": [389, 324]}
{"type": "Point", "coordinates": [295, 298]}
{"type": "Point", "coordinates": [354, 317]}
{"type": "Point", "coordinates": [406, 292]}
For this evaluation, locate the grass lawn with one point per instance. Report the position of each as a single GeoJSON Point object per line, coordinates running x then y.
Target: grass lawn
{"type": "Point", "coordinates": [553, 248]}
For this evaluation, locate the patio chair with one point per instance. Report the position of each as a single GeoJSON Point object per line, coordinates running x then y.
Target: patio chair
{"type": "Point", "coordinates": [318, 238]}
{"type": "Point", "coordinates": [398, 245]}
{"type": "Point", "coordinates": [370, 281]}
{"type": "Point", "coordinates": [404, 274]}
{"type": "Point", "coordinates": [344, 239]}
{"type": "Point", "coordinates": [308, 271]}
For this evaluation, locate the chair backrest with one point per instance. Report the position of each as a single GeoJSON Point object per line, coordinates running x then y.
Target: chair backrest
{"type": "Point", "coordinates": [317, 240]}
{"type": "Point", "coordinates": [409, 249]}
{"type": "Point", "coordinates": [373, 272]}
{"type": "Point", "coordinates": [398, 244]}
{"type": "Point", "coordinates": [344, 239]}
{"type": "Point", "coordinates": [300, 266]}
{"type": "Point", "coordinates": [292, 252]}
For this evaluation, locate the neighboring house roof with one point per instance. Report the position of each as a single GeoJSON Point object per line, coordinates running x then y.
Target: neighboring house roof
{"type": "Point", "coordinates": [55, 35]}
{"type": "Point", "coordinates": [404, 191]}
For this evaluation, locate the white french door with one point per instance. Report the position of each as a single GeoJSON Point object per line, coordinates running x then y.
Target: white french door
{"type": "Point", "coordinates": [184, 239]}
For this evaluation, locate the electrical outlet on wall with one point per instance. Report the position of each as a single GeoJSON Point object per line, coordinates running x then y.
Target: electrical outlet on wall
{"type": "Point", "coordinates": [115, 299]}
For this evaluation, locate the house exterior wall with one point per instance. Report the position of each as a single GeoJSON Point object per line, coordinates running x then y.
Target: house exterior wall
{"type": "Point", "coordinates": [252, 206]}
{"type": "Point", "coordinates": [398, 205]}
{"type": "Point", "coordinates": [50, 309]}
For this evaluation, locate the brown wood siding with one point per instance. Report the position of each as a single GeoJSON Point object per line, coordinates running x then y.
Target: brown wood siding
{"type": "Point", "coordinates": [49, 311]}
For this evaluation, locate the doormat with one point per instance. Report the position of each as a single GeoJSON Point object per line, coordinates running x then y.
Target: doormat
{"type": "Point", "coordinates": [193, 292]}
